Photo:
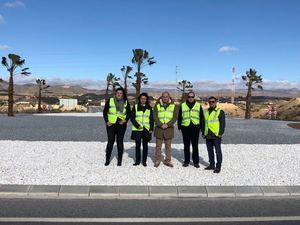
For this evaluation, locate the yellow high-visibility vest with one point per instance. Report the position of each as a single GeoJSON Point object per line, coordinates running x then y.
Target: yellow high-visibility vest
{"type": "Point", "coordinates": [189, 115]}
{"type": "Point", "coordinates": [165, 115]}
{"type": "Point", "coordinates": [113, 115]}
{"type": "Point", "coordinates": [142, 118]}
{"type": "Point", "coordinates": [212, 121]}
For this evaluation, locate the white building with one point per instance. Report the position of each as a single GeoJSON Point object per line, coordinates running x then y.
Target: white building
{"type": "Point", "coordinates": [68, 103]}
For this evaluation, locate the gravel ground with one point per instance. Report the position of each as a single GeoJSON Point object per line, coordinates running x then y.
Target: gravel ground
{"type": "Point", "coordinates": [82, 163]}
{"type": "Point", "coordinates": [85, 127]}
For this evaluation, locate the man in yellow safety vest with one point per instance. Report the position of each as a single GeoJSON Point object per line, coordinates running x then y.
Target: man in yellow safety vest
{"type": "Point", "coordinates": [165, 116]}
{"type": "Point", "coordinates": [213, 132]}
{"type": "Point", "coordinates": [190, 120]}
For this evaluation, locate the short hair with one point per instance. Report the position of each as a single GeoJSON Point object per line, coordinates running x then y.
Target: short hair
{"type": "Point", "coordinates": [191, 92]}
{"type": "Point", "coordinates": [166, 92]}
{"type": "Point", "coordinates": [212, 97]}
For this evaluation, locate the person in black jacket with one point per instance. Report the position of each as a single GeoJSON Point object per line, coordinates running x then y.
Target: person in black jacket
{"type": "Point", "coordinates": [190, 121]}
{"type": "Point", "coordinates": [213, 133]}
{"type": "Point", "coordinates": [116, 114]}
{"type": "Point", "coordinates": [142, 127]}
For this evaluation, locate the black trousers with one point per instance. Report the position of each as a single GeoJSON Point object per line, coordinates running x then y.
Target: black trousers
{"type": "Point", "coordinates": [210, 144]}
{"type": "Point", "coordinates": [191, 135]}
{"type": "Point", "coordinates": [113, 132]}
{"type": "Point", "coordinates": [138, 150]}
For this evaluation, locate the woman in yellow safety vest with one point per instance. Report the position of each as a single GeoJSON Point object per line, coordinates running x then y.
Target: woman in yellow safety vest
{"type": "Point", "coordinates": [116, 114]}
{"type": "Point", "coordinates": [142, 127]}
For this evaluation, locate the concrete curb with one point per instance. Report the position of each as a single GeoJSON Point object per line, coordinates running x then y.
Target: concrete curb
{"type": "Point", "coordinates": [145, 192]}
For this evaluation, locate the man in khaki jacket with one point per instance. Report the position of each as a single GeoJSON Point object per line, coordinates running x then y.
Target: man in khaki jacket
{"type": "Point", "coordinates": [165, 116]}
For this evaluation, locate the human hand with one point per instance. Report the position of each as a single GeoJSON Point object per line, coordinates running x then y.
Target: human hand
{"type": "Point", "coordinates": [121, 122]}
{"type": "Point", "coordinates": [108, 124]}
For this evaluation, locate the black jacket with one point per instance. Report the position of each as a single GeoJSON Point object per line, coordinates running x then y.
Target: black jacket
{"type": "Point", "coordinates": [190, 105]}
{"type": "Point", "coordinates": [210, 134]}
{"type": "Point", "coordinates": [137, 135]}
{"type": "Point", "coordinates": [106, 109]}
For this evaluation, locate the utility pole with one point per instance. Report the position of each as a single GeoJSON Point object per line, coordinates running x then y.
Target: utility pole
{"type": "Point", "coordinates": [233, 84]}
{"type": "Point", "coordinates": [177, 80]}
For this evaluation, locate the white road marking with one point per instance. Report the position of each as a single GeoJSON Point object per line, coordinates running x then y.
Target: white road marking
{"type": "Point", "coordinates": [150, 220]}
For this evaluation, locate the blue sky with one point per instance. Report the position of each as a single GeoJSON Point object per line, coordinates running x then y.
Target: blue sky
{"type": "Point", "coordinates": [86, 39]}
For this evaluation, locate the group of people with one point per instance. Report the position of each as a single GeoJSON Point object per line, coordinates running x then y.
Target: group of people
{"type": "Point", "coordinates": [160, 120]}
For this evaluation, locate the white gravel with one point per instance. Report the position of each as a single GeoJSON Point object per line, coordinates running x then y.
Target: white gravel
{"type": "Point", "coordinates": [82, 163]}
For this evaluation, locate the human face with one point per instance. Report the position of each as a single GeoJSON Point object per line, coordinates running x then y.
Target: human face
{"type": "Point", "coordinates": [212, 103]}
{"type": "Point", "coordinates": [191, 97]}
{"type": "Point", "coordinates": [143, 100]}
{"type": "Point", "coordinates": [119, 94]}
{"type": "Point", "coordinates": [165, 97]}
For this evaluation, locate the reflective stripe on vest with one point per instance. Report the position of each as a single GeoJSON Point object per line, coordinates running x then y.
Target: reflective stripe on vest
{"type": "Point", "coordinates": [189, 115]}
{"type": "Point", "coordinates": [212, 121]}
{"type": "Point", "coordinates": [142, 118]}
{"type": "Point", "coordinates": [165, 115]}
{"type": "Point", "coordinates": [113, 115]}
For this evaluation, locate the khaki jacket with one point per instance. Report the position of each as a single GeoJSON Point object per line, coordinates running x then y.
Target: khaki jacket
{"type": "Point", "coordinates": [158, 131]}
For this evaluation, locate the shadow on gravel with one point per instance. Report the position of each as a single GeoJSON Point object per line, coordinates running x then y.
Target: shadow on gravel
{"type": "Point", "coordinates": [177, 154]}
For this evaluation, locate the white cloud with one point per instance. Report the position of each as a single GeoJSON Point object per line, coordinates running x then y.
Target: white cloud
{"type": "Point", "coordinates": [4, 47]}
{"type": "Point", "coordinates": [1, 19]}
{"type": "Point", "coordinates": [14, 4]}
{"type": "Point", "coordinates": [226, 49]}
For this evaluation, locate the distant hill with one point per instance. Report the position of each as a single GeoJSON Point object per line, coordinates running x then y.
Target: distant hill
{"type": "Point", "coordinates": [77, 90]}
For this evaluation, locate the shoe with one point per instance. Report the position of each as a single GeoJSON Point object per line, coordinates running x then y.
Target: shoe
{"type": "Point", "coordinates": [145, 164]}
{"type": "Point", "coordinates": [119, 164]}
{"type": "Point", "coordinates": [106, 163]}
{"type": "Point", "coordinates": [217, 170]}
{"type": "Point", "coordinates": [209, 168]}
{"type": "Point", "coordinates": [156, 164]}
{"type": "Point", "coordinates": [185, 164]}
{"type": "Point", "coordinates": [136, 164]}
{"type": "Point", "coordinates": [196, 165]}
{"type": "Point", "coordinates": [168, 164]}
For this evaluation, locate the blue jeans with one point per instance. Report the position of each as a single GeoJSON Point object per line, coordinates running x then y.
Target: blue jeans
{"type": "Point", "coordinates": [210, 144]}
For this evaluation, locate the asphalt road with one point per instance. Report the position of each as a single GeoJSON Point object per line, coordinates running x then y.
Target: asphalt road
{"type": "Point", "coordinates": [57, 128]}
{"type": "Point", "coordinates": [214, 211]}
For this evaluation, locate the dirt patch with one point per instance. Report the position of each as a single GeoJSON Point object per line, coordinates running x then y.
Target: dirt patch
{"type": "Point", "coordinates": [294, 125]}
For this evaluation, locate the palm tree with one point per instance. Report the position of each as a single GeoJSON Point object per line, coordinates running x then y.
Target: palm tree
{"type": "Point", "coordinates": [184, 86]}
{"type": "Point", "coordinates": [15, 63]}
{"type": "Point", "coordinates": [252, 79]}
{"type": "Point", "coordinates": [41, 87]}
{"type": "Point", "coordinates": [141, 59]}
{"type": "Point", "coordinates": [111, 81]}
{"type": "Point", "coordinates": [126, 71]}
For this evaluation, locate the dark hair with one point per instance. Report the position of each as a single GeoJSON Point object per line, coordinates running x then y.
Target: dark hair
{"type": "Point", "coordinates": [143, 94]}
{"type": "Point", "coordinates": [124, 92]}
{"type": "Point", "coordinates": [191, 92]}
{"type": "Point", "coordinates": [212, 97]}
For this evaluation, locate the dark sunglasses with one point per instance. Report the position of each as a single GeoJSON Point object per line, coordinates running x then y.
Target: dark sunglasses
{"type": "Point", "coordinates": [211, 101]}
{"type": "Point", "coordinates": [191, 96]}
